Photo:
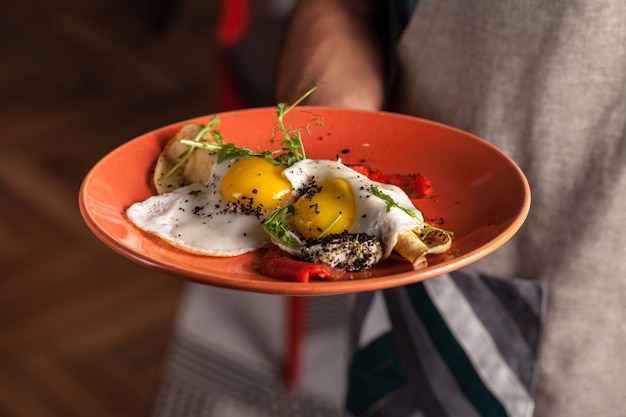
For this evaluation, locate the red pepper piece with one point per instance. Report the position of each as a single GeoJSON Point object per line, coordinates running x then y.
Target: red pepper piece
{"type": "Point", "coordinates": [423, 186]}
{"type": "Point", "coordinates": [415, 185]}
{"type": "Point", "coordinates": [278, 264]}
{"type": "Point", "coordinates": [372, 173]}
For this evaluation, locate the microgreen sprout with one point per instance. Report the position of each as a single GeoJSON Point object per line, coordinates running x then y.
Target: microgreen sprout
{"type": "Point", "coordinates": [426, 228]}
{"type": "Point", "coordinates": [225, 151]}
{"type": "Point", "coordinates": [191, 145]}
{"type": "Point", "coordinates": [292, 148]}
{"type": "Point", "coordinates": [292, 138]}
{"type": "Point", "coordinates": [278, 230]}
{"type": "Point", "coordinates": [325, 231]}
{"type": "Point", "coordinates": [390, 203]}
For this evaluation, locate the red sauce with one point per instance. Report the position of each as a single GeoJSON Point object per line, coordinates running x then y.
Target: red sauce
{"type": "Point", "coordinates": [415, 185]}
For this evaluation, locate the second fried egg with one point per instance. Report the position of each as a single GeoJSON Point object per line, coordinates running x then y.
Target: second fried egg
{"type": "Point", "coordinates": [332, 198]}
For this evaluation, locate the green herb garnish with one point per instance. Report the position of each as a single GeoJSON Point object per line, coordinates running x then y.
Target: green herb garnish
{"type": "Point", "coordinates": [426, 228]}
{"type": "Point", "coordinates": [278, 230]}
{"type": "Point", "coordinates": [390, 203]}
{"type": "Point", "coordinates": [225, 151]}
{"type": "Point", "coordinates": [193, 144]}
{"type": "Point", "coordinates": [292, 138]}
{"type": "Point", "coordinates": [325, 231]}
{"type": "Point", "coordinates": [291, 151]}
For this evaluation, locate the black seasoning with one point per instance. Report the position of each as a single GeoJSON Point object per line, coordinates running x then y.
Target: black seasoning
{"type": "Point", "coordinates": [350, 251]}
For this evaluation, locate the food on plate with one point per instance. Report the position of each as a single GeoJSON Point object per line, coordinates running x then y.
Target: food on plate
{"type": "Point", "coordinates": [414, 185]}
{"type": "Point", "coordinates": [212, 218]}
{"type": "Point", "coordinates": [177, 166]}
{"type": "Point", "coordinates": [320, 217]}
{"type": "Point", "coordinates": [279, 264]}
{"type": "Point", "coordinates": [414, 245]}
{"type": "Point", "coordinates": [349, 251]}
{"type": "Point", "coordinates": [332, 198]}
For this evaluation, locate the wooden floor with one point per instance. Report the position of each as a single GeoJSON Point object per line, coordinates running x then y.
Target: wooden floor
{"type": "Point", "coordinates": [82, 330]}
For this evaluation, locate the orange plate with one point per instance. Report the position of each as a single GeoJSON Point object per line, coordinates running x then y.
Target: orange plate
{"type": "Point", "coordinates": [481, 194]}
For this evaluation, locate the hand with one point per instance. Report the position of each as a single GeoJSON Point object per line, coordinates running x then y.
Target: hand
{"type": "Point", "coordinates": [337, 44]}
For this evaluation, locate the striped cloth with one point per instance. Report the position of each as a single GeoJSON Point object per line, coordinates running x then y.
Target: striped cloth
{"type": "Point", "coordinates": [462, 344]}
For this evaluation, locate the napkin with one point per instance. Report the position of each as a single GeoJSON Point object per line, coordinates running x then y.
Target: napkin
{"type": "Point", "coordinates": [461, 344]}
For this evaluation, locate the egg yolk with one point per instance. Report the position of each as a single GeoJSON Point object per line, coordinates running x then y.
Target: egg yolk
{"type": "Point", "coordinates": [328, 207]}
{"type": "Point", "coordinates": [256, 183]}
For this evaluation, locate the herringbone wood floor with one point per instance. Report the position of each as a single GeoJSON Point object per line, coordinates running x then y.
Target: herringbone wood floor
{"type": "Point", "coordinates": [82, 330]}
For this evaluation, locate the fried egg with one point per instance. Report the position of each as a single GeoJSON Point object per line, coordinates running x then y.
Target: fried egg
{"type": "Point", "coordinates": [224, 215]}
{"type": "Point", "coordinates": [220, 217]}
{"type": "Point", "coordinates": [331, 198]}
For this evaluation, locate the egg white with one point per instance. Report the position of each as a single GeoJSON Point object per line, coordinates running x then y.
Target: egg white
{"type": "Point", "coordinates": [372, 216]}
{"type": "Point", "coordinates": [197, 218]}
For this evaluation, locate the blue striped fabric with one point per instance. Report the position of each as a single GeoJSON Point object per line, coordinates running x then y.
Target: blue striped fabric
{"type": "Point", "coordinates": [462, 344]}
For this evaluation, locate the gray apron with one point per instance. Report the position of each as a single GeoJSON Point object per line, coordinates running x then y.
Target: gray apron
{"type": "Point", "coordinates": [545, 81]}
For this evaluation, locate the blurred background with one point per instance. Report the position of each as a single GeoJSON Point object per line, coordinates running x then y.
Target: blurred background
{"type": "Point", "coordinates": [83, 331]}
